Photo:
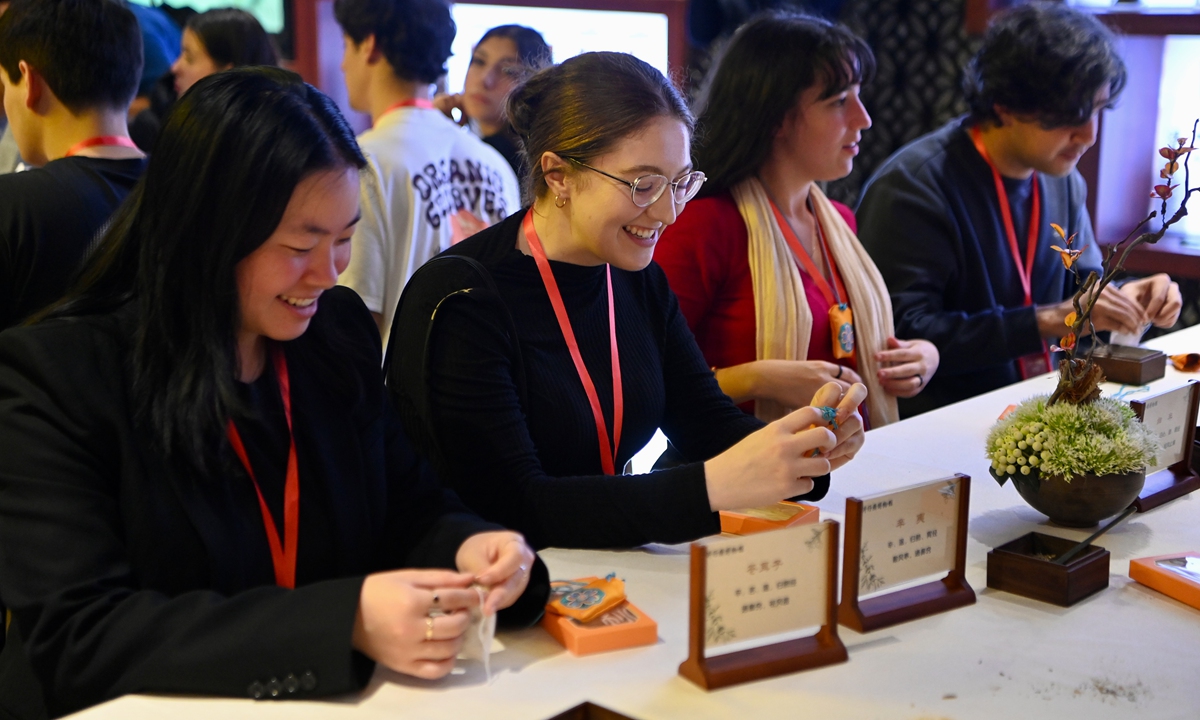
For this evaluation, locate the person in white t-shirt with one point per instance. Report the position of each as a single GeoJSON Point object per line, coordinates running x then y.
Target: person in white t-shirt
{"type": "Point", "coordinates": [430, 183]}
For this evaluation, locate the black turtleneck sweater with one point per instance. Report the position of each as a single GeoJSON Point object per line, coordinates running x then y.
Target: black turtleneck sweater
{"type": "Point", "coordinates": [536, 467]}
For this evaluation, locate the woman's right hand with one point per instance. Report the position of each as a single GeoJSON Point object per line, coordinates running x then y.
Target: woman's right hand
{"type": "Point", "coordinates": [771, 463]}
{"type": "Point", "coordinates": [393, 620]}
{"type": "Point", "coordinates": [791, 383]}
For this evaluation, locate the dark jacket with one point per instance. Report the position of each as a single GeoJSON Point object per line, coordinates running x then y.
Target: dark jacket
{"type": "Point", "coordinates": [930, 219]}
{"type": "Point", "coordinates": [124, 576]}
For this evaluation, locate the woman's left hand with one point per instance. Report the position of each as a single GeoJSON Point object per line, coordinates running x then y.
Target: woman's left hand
{"type": "Point", "coordinates": [906, 366]}
{"type": "Point", "coordinates": [501, 562]}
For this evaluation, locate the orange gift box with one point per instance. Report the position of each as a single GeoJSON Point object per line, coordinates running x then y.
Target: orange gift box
{"type": "Point", "coordinates": [623, 626]}
{"type": "Point", "coordinates": [770, 517]}
{"type": "Point", "coordinates": [1179, 579]}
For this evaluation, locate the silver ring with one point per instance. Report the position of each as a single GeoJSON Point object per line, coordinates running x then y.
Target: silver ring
{"type": "Point", "coordinates": [524, 569]}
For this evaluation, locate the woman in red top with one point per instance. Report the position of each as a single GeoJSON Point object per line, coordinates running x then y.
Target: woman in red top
{"type": "Point", "coordinates": [773, 282]}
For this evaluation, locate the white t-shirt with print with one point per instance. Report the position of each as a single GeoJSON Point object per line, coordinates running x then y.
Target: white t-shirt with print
{"type": "Point", "coordinates": [429, 184]}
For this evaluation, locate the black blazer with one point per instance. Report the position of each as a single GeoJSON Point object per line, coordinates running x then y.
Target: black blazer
{"type": "Point", "coordinates": [124, 576]}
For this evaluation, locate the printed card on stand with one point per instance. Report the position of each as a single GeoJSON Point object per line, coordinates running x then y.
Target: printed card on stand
{"type": "Point", "coordinates": [763, 605]}
{"type": "Point", "coordinates": [897, 538]}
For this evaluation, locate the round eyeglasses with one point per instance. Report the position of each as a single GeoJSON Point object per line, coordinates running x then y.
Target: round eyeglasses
{"type": "Point", "coordinates": [644, 191]}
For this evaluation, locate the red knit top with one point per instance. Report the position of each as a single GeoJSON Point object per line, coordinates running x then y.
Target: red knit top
{"type": "Point", "coordinates": [706, 257]}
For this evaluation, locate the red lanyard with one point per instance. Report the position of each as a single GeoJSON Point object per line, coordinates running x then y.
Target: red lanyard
{"type": "Point", "coordinates": [283, 556]}
{"type": "Point", "coordinates": [809, 266]}
{"type": "Point", "coordinates": [607, 452]}
{"type": "Point", "coordinates": [1024, 273]}
{"type": "Point", "coordinates": [103, 140]}
{"type": "Point", "coordinates": [423, 103]}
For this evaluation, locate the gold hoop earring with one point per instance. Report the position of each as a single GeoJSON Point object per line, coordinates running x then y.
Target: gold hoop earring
{"type": "Point", "coordinates": [560, 202]}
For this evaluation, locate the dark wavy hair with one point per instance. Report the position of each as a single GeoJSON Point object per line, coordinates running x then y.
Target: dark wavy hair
{"type": "Point", "coordinates": [769, 62]}
{"type": "Point", "coordinates": [1045, 62]}
{"type": "Point", "coordinates": [233, 37]}
{"type": "Point", "coordinates": [230, 155]}
{"type": "Point", "coordinates": [585, 106]}
{"type": "Point", "coordinates": [414, 35]}
{"type": "Point", "coordinates": [532, 49]}
{"type": "Point", "coordinates": [89, 51]}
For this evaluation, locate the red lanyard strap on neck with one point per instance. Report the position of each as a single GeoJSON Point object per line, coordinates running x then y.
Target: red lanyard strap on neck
{"type": "Point", "coordinates": [834, 299]}
{"type": "Point", "coordinates": [101, 141]}
{"type": "Point", "coordinates": [1025, 273]}
{"type": "Point", "coordinates": [283, 555]}
{"type": "Point", "coordinates": [608, 452]}
{"type": "Point", "coordinates": [423, 103]}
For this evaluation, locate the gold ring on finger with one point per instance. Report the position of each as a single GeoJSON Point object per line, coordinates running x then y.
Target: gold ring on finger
{"type": "Point", "coordinates": [428, 629]}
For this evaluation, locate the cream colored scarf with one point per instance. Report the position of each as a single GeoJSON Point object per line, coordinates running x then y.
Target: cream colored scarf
{"type": "Point", "coordinates": [782, 319]}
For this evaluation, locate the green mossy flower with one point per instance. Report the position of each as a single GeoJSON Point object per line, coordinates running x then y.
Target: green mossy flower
{"type": "Point", "coordinates": [1101, 438]}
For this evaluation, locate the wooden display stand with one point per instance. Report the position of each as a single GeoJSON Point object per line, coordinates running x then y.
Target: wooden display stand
{"type": "Point", "coordinates": [710, 673]}
{"type": "Point", "coordinates": [1177, 479]}
{"type": "Point", "coordinates": [911, 603]}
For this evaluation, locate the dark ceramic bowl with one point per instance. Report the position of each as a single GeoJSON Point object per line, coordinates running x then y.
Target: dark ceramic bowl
{"type": "Point", "coordinates": [1085, 500]}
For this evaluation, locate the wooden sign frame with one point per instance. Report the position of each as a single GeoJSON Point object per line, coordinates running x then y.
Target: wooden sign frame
{"type": "Point", "coordinates": [711, 673]}
{"type": "Point", "coordinates": [1179, 479]}
{"type": "Point", "coordinates": [899, 606]}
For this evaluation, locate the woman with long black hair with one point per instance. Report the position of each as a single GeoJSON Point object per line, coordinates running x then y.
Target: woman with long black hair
{"type": "Point", "coordinates": [204, 489]}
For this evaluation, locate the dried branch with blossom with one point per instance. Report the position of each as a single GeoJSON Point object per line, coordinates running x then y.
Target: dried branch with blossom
{"type": "Point", "coordinates": [1079, 378]}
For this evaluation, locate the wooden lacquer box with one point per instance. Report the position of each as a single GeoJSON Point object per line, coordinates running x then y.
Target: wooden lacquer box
{"type": "Point", "coordinates": [1026, 567]}
{"type": "Point", "coordinates": [1130, 365]}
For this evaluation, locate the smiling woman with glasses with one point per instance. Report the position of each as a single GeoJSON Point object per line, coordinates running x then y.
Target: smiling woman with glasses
{"type": "Point", "coordinates": [532, 390]}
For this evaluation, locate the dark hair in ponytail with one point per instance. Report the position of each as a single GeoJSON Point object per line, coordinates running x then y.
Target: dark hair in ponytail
{"type": "Point", "coordinates": [585, 106]}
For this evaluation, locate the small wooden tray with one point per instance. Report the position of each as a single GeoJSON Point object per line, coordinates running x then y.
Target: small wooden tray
{"type": "Point", "coordinates": [1130, 365]}
{"type": "Point", "coordinates": [1025, 567]}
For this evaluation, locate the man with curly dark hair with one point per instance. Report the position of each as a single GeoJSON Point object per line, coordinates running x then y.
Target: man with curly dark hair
{"type": "Point", "coordinates": [959, 221]}
{"type": "Point", "coordinates": [430, 183]}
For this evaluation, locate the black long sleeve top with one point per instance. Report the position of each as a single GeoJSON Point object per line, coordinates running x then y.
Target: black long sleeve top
{"type": "Point", "coordinates": [536, 467]}
{"type": "Point", "coordinates": [930, 219]}
{"type": "Point", "coordinates": [125, 575]}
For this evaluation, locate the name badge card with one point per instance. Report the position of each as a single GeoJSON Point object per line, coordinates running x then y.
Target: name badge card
{"type": "Point", "coordinates": [763, 605]}
{"type": "Point", "coordinates": [1172, 417]}
{"type": "Point", "coordinates": [898, 537]}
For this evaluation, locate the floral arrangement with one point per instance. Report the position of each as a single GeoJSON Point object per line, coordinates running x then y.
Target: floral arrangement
{"type": "Point", "coordinates": [1103, 436]}
{"type": "Point", "coordinates": [1074, 431]}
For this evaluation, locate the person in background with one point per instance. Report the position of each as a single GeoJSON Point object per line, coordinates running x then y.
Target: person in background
{"type": "Point", "coordinates": [430, 183]}
{"type": "Point", "coordinates": [212, 41]}
{"type": "Point", "coordinates": [502, 58]}
{"type": "Point", "coordinates": [959, 221]}
{"type": "Point", "coordinates": [10, 156]}
{"type": "Point", "coordinates": [774, 284]}
{"type": "Point", "coordinates": [161, 38]}
{"type": "Point", "coordinates": [67, 87]}
{"type": "Point", "coordinates": [532, 425]}
{"type": "Point", "coordinates": [205, 489]}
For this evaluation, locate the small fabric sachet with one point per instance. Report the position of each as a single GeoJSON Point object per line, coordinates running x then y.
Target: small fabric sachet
{"type": "Point", "coordinates": [591, 600]}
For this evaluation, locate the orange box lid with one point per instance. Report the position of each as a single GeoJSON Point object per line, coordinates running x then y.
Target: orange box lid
{"type": "Point", "coordinates": [1176, 583]}
{"type": "Point", "coordinates": [770, 517]}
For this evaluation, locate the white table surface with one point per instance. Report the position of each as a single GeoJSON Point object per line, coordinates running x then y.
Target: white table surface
{"type": "Point", "coordinates": [1127, 652]}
